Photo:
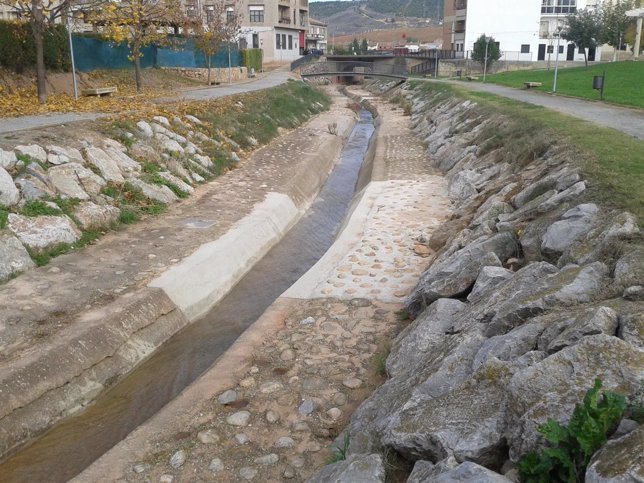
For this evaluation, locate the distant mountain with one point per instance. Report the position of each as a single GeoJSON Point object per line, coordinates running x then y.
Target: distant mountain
{"type": "Point", "coordinates": [393, 8]}
{"type": "Point", "coordinates": [358, 16]}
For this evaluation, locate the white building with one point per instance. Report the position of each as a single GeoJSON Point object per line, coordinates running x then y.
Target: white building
{"type": "Point", "coordinates": [524, 30]}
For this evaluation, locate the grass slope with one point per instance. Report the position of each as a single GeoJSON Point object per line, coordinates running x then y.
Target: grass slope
{"type": "Point", "coordinates": [623, 83]}
{"type": "Point", "coordinates": [406, 8]}
{"type": "Point", "coordinates": [612, 162]}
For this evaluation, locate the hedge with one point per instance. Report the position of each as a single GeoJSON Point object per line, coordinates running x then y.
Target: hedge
{"type": "Point", "coordinates": [18, 50]}
{"type": "Point", "coordinates": [252, 58]}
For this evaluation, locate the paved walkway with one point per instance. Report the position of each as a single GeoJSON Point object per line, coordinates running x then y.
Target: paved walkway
{"type": "Point", "coordinates": [628, 121]}
{"type": "Point", "coordinates": [265, 81]}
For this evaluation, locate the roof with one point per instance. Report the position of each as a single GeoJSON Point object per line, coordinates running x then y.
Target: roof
{"type": "Point", "coordinates": [318, 23]}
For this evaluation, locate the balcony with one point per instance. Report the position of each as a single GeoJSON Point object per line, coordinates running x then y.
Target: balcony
{"type": "Point", "coordinates": [460, 4]}
{"type": "Point", "coordinates": [285, 20]}
{"type": "Point", "coordinates": [459, 27]}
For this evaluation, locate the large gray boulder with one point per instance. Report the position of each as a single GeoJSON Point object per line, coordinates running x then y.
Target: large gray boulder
{"type": "Point", "coordinates": [552, 387]}
{"type": "Point", "coordinates": [91, 216]}
{"type": "Point", "coordinates": [360, 468]}
{"type": "Point", "coordinates": [179, 183]}
{"type": "Point", "coordinates": [619, 461]}
{"type": "Point", "coordinates": [489, 278]}
{"type": "Point", "coordinates": [9, 194]}
{"type": "Point", "coordinates": [154, 192]}
{"type": "Point", "coordinates": [629, 269]}
{"type": "Point", "coordinates": [108, 168]}
{"type": "Point", "coordinates": [7, 159]}
{"type": "Point", "coordinates": [538, 288]}
{"type": "Point", "coordinates": [13, 257]}
{"type": "Point", "coordinates": [510, 346]}
{"type": "Point", "coordinates": [457, 273]}
{"type": "Point", "coordinates": [466, 422]}
{"type": "Point", "coordinates": [127, 166]}
{"type": "Point", "coordinates": [573, 226]}
{"type": "Point", "coordinates": [75, 181]}
{"type": "Point", "coordinates": [33, 151]}
{"type": "Point", "coordinates": [469, 472]}
{"type": "Point", "coordinates": [59, 155]}
{"type": "Point", "coordinates": [43, 232]}
{"type": "Point", "coordinates": [463, 184]}
{"type": "Point", "coordinates": [570, 331]}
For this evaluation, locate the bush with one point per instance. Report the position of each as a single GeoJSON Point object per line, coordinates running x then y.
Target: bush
{"type": "Point", "coordinates": [18, 50]}
{"type": "Point", "coordinates": [252, 59]}
{"type": "Point", "coordinates": [574, 445]}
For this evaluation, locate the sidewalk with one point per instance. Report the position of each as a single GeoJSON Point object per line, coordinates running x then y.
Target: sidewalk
{"type": "Point", "coordinates": [271, 406]}
{"type": "Point", "coordinates": [626, 120]}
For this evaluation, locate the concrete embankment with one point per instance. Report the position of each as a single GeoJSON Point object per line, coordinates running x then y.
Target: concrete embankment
{"type": "Point", "coordinates": [106, 309]}
{"type": "Point", "coordinates": [272, 404]}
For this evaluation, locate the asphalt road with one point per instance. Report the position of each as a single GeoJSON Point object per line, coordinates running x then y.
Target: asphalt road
{"type": "Point", "coordinates": [628, 121]}
{"type": "Point", "coordinates": [264, 81]}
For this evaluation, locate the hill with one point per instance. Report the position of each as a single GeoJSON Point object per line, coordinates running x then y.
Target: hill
{"type": "Point", "coordinates": [351, 18]}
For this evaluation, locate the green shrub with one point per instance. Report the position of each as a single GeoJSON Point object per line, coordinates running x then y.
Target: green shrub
{"type": "Point", "coordinates": [573, 446]}
{"type": "Point", "coordinates": [39, 208]}
{"type": "Point", "coordinates": [4, 217]}
{"type": "Point", "coordinates": [252, 58]}
{"type": "Point", "coordinates": [18, 50]}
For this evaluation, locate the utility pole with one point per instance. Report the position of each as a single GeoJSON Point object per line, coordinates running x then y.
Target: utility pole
{"type": "Point", "coordinates": [487, 45]}
{"type": "Point", "coordinates": [71, 53]}
{"type": "Point", "coordinates": [554, 84]}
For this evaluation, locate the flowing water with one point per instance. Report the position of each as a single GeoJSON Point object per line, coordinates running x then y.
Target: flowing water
{"type": "Point", "coordinates": [72, 445]}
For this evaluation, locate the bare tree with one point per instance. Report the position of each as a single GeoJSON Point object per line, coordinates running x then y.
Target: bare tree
{"type": "Point", "coordinates": [216, 24]}
{"type": "Point", "coordinates": [139, 23]}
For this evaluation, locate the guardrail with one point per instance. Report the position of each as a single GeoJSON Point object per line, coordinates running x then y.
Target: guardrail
{"type": "Point", "coordinates": [303, 60]}
{"type": "Point", "coordinates": [354, 68]}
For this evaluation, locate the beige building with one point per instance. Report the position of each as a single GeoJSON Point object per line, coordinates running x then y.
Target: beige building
{"type": "Point", "coordinates": [278, 27]}
{"type": "Point", "coordinates": [316, 37]}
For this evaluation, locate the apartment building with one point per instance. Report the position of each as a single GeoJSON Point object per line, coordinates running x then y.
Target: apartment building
{"type": "Point", "coordinates": [526, 30]}
{"type": "Point", "coordinates": [278, 27]}
{"type": "Point", "coordinates": [316, 37]}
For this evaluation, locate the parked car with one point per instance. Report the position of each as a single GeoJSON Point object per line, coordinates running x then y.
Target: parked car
{"type": "Point", "coordinates": [317, 52]}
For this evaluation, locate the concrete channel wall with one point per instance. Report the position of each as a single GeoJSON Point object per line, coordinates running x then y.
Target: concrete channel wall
{"type": "Point", "coordinates": [69, 373]}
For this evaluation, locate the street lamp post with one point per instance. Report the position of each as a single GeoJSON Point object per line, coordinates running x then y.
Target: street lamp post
{"type": "Point", "coordinates": [487, 45]}
{"type": "Point", "coordinates": [554, 84]}
{"type": "Point", "coordinates": [71, 54]}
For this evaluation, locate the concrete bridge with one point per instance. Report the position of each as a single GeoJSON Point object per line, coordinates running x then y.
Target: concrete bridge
{"type": "Point", "coordinates": [354, 69]}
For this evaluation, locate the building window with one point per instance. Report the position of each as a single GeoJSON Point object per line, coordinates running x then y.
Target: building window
{"type": "Point", "coordinates": [558, 6]}
{"type": "Point", "coordinates": [290, 42]}
{"type": "Point", "coordinates": [284, 41]}
{"type": "Point", "coordinates": [278, 41]}
{"type": "Point", "coordinates": [256, 14]}
{"type": "Point", "coordinates": [525, 48]}
{"type": "Point", "coordinates": [230, 14]}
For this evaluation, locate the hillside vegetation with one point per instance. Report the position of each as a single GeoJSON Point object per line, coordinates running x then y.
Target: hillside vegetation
{"type": "Point", "coordinates": [403, 8]}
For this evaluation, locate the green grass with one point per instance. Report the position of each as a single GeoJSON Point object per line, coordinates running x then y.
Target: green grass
{"type": "Point", "coordinates": [4, 217]}
{"type": "Point", "coordinates": [623, 82]}
{"type": "Point", "coordinates": [43, 257]}
{"type": "Point", "coordinates": [38, 208]}
{"type": "Point", "coordinates": [612, 162]}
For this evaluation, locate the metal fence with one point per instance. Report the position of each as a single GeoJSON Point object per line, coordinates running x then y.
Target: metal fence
{"type": "Point", "coordinates": [354, 68]}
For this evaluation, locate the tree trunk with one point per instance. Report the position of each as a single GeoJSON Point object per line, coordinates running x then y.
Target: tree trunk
{"type": "Point", "coordinates": [137, 68]}
{"type": "Point", "coordinates": [209, 64]}
{"type": "Point", "coordinates": [585, 58]}
{"type": "Point", "coordinates": [38, 27]}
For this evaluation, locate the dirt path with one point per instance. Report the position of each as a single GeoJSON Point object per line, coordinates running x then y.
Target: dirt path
{"type": "Point", "coordinates": [270, 408]}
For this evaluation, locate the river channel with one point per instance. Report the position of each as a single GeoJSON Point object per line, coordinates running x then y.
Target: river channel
{"type": "Point", "coordinates": [72, 445]}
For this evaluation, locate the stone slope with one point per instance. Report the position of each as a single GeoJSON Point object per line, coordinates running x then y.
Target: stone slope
{"type": "Point", "coordinates": [534, 293]}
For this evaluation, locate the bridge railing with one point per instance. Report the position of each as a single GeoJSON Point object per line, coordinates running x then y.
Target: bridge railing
{"type": "Point", "coordinates": [347, 68]}
{"type": "Point", "coordinates": [303, 60]}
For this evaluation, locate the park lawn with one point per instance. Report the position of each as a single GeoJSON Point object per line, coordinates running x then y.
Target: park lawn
{"type": "Point", "coordinates": [623, 82]}
{"type": "Point", "coordinates": [612, 162]}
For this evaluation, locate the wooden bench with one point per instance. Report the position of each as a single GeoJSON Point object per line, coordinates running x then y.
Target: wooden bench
{"type": "Point", "coordinates": [472, 78]}
{"type": "Point", "coordinates": [529, 85]}
{"type": "Point", "coordinates": [100, 91]}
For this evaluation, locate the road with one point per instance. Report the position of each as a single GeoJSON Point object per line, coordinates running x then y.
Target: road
{"type": "Point", "coordinates": [628, 121]}
{"type": "Point", "coordinates": [265, 81]}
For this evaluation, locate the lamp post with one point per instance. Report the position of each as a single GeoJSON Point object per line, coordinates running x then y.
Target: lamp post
{"type": "Point", "coordinates": [487, 45]}
{"type": "Point", "coordinates": [554, 84]}
{"type": "Point", "coordinates": [71, 54]}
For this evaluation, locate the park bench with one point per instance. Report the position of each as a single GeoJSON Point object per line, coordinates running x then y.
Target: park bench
{"type": "Point", "coordinates": [100, 91]}
{"type": "Point", "coordinates": [471, 78]}
{"type": "Point", "coordinates": [529, 85]}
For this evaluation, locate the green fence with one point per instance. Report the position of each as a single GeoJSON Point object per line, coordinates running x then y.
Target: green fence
{"type": "Point", "coordinates": [91, 53]}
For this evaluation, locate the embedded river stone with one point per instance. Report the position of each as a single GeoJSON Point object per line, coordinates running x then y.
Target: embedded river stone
{"type": "Point", "coordinates": [355, 469]}
{"type": "Point", "coordinates": [9, 194]}
{"type": "Point", "coordinates": [75, 181]}
{"type": "Point", "coordinates": [105, 164]}
{"type": "Point", "coordinates": [91, 216]}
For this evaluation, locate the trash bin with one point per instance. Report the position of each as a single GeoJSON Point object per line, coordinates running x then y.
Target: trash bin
{"type": "Point", "coordinates": [598, 82]}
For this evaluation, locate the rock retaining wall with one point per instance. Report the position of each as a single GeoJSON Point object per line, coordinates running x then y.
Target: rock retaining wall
{"type": "Point", "coordinates": [535, 292]}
